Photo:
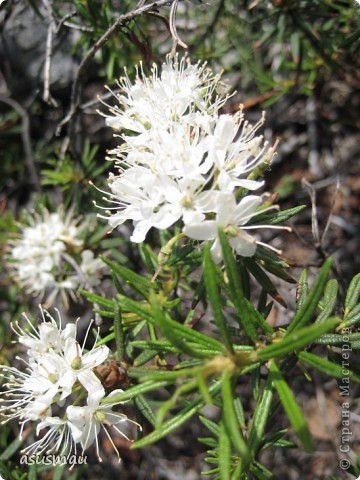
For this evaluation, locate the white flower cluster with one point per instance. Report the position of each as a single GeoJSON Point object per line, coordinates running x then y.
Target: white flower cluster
{"type": "Point", "coordinates": [181, 160]}
{"type": "Point", "coordinates": [48, 257]}
{"type": "Point", "coordinates": [59, 377]}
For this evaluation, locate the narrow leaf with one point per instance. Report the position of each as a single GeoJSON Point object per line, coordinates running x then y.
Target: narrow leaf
{"type": "Point", "coordinates": [263, 280]}
{"type": "Point", "coordinates": [192, 335]}
{"type": "Point", "coordinates": [97, 299]}
{"type": "Point", "coordinates": [352, 318]}
{"type": "Point", "coordinates": [32, 472]}
{"type": "Point", "coordinates": [260, 417]}
{"type": "Point", "coordinates": [329, 300]}
{"type": "Point", "coordinates": [137, 282]}
{"type": "Point", "coordinates": [167, 325]}
{"type": "Point", "coordinates": [141, 309]}
{"type": "Point", "coordinates": [119, 332]}
{"type": "Point", "coordinates": [181, 392]}
{"type": "Point", "coordinates": [144, 407]}
{"type": "Point", "coordinates": [185, 332]}
{"type": "Point", "coordinates": [215, 298]}
{"type": "Point", "coordinates": [230, 417]}
{"type": "Point", "coordinates": [160, 346]}
{"type": "Point", "coordinates": [224, 452]}
{"type": "Point", "coordinates": [291, 407]}
{"type": "Point", "coordinates": [59, 472]}
{"type": "Point", "coordinates": [302, 289]}
{"type": "Point", "coordinates": [138, 390]}
{"type": "Point", "coordinates": [298, 339]}
{"type": "Point", "coordinates": [304, 314]}
{"type": "Point", "coordinates": [336, 339]}
{"type": "Point", "coordinates": [213, 427]}
{"type": "Point", "coordinates": [261, 472]}
{"type": "Point", "coordinates": [155, 373]}
{"type": "Point", "coordinates": [352, 294]}
{"type": "Point", "coordinates": [278, 217]}
{"type": "Point", "coordinates": [329, 368]}
{"type": "Point", "coordinates": [144, 357]}
{"type": "Point", "coordinates": [11, 449]}
{"type": "Point", "coordinates": [249, 317]}
{"type": "Point", "coordinates": [175, 422]}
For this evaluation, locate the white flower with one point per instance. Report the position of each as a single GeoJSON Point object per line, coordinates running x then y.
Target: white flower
{"type": "Point", "coordinates": [85, 422]}
{"type": "Point", "coordinates": [89, 272]}
{"type": "Point", "coordinates": [49, 336]}
{"type": "Point", "coordinates": [58, 438]}
{"type": "Point", "coordinates": [44, 259]}
{"type": "Point", "coordinates": [79, 365]}
{"type": "Point", "coordinates": [57, 372]}
{"type": "Point", "coordinates": [138, 196]}
{"type": "Point", "coordinates": [233, 218]}
{"type": "Point", "coordinates": [181, 91]}
{"type": "Point", "coordinates": [182, 161]}
{"type": "Point", "coordinates": [30, 394]}
{"type": "Point", "coordinates": [235, 151]}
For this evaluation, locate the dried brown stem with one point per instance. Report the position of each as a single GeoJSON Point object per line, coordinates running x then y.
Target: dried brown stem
{"type": "Point", "coordinates": [47, 97]}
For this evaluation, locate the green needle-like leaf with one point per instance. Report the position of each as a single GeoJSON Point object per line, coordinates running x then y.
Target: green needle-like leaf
{"type": "Point", "coordinates": [329, 300]}
{"type": "Point", "coordinates": [119, 333]}
{"type": "Point", "coordinates": [352, 318]}
{"type": "Point", "coordinates": [278, 217]}
{"type": "Point", "coordinates": [296, 340]}
{"type": "Point", "coordinates": [260, 417]}
{"type": "Point", "coordinates": [97, 299]}
{"type": "Point", "coordinates": [261, 472]}
{"type": "Point", "coordinates": [224, 452]}
{"type": "Point", "coordinates": [132, 392]}
{"type": "Point", "coordinates": [137, 282]}
{"type": "Point", "coordinates": [230, 417]}
{"type": "Point", "coordinates": [175, 422]}
{"type": "Point", "coordinates": [329, 368]}
{"type": "Point", "coordinates": [302, 289]}
{"type": "Point", "coordinates": [353, 293]}
{"type": "Point", "coordinates": [172, 332]}
{"type": "Point", "coordinates": [11, 449]}
{"type": "Point", "coordinates": [144, 407]}
{"type": "Point", "coordinates": [263, 279]}
{"type": "Point", "coordinates": [291, 407]}
{"type": "Point", "coordinates": [249, 317]}
{"type": "Point", "coordinates": [213, 427]}
{"type": "Point", "coordinates": [336, 339]}
{"type": "Point", "coordinates": [304, 314]}
{"type": "Point", "coordinates": [215, 299]}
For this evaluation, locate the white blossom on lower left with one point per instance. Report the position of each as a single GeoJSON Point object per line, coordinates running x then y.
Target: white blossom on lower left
{"type": "Point", "coordinates": [47, 258]}
{"type": "Point", "coordinates": [60, 390]}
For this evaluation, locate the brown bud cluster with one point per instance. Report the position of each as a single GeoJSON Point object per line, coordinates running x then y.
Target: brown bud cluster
{"type": "Point", "coordinates": [111, 374]}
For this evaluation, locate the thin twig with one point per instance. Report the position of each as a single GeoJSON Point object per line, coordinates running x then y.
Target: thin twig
{"type": "Point", "coordinates": [99, 99]}
{"type": "Point", "coordinates": [47, 97]}
{"type": "Point", "coordinates": [176, 39]}
{"type": "Point", "coordinates": [64, 19]}
{"type": "Point", "coordinates": [316, 233]}
{"type": "Point", "coordinates": [25, 136]}
{"type": "Point", "coordinates": [121, 21]}
{"type": "Point", "coordinates": [80, 28]}
{"type": "Point", "coordinates": [329, 219]}
{"type": "Point", "coordinates": [312, 131]}
{"type": "Point", "coordinates": [314, 219]}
